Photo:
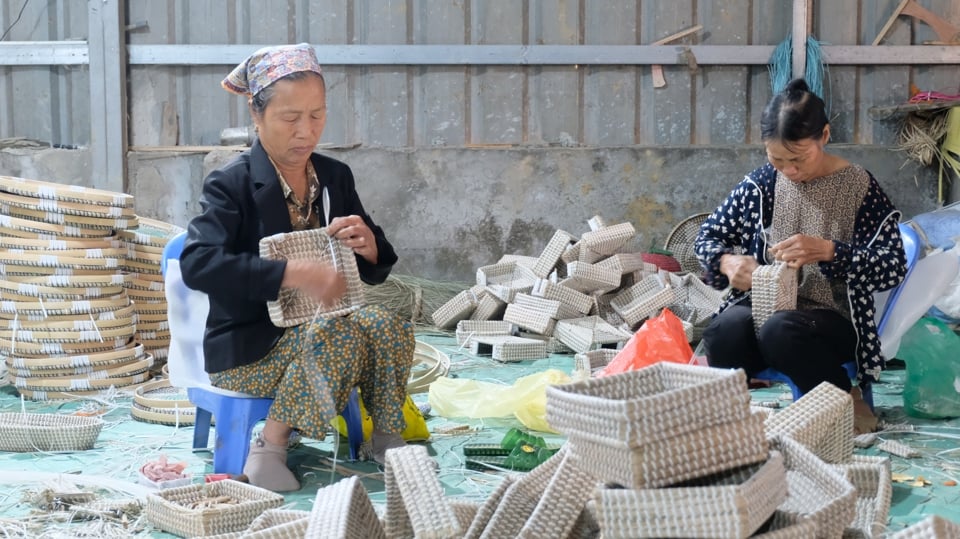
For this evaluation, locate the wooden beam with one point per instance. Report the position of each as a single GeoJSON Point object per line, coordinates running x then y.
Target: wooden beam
{"type": "Point", "coordinates": [108, 94]}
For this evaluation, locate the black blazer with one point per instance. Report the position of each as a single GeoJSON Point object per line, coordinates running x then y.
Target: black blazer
{"type": "Point", "coordinates": [241, 203]}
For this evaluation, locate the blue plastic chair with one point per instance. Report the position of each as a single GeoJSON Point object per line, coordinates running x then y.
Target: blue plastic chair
{"type": "Point", "coordinates": [235, 413]}
{"type": "Point", "coordinates": [884, 303]}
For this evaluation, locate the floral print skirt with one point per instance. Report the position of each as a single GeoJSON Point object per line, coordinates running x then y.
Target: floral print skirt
{"type": "Point", "coordinates": [314, 367]}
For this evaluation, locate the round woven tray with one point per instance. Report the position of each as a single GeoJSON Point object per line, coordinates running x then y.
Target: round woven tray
{"type": "Point", "coordinates": [151, 344]}
{"type": "Point", "coordinates": [141, 284]}
{"type": "Point", "coordinates": [42, 271]}
{"type": "Point", "coordinates": [159, 402]}
{"type": "Point", "coordinates": [72, 220]}
{"type": "Point", "coordinates": [71, 348]}
{"type": "Point", "coordinates": [21, 336]}
{"type": "Point", "coordinates": [67, 208]}
{"type": "Point", "coordinates": [74, 395]}
{"type": "Point", "coordinates": [59, 244]}
{"type": "Point", "coordinates": [76, 384]}
{"type": "Point", "coordinates": [125, 368]}
{"type": "Point", "coordinates": [70, 193]}
{"type": "Point", "coordinates": [146, 276]}
{"type": "Point", "coordinates": [29, 292]}
{"type": "Point", "coordinates": [8, 223]}
{"type": "Point", "coordinates": [65, 307]}
{"type": "Point", "coordinates": [47, 432]}
{"type": "Point", "coordinates": [59, 259]}
{"type": "Point", "coordinates": [151, 232]}
{"type": "Point", "coordinates": [54, 324]}
{"type": "Point", "coordinates": [121, 310]}
{"type": "Point", "coordinates": [148, 317]}
{"type": "Point", "coordinates": [106, 359]}
{"type": "Point", "coordinates": [136, 266]}
{"type": "Point", "coordinates": [150, 307]}
{"type": "Point", "coordinates": [162, 325]}
{"type": "Point", "coordinates": [139, 294]}
{"type": "Point", "coordinates": [68, 281]}
{"type": "Point", "coordinates": [133, 253]}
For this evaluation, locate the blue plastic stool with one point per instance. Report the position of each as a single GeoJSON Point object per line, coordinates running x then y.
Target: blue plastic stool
{"type": "Point", "coordinates": [236, 415]}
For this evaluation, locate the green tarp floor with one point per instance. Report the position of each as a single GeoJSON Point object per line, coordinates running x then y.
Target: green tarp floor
{"type": "Point", "coordinates": [125, 444]}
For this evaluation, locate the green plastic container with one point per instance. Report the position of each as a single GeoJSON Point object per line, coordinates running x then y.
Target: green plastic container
{"type": "Point", "coordinates": [931, 351]}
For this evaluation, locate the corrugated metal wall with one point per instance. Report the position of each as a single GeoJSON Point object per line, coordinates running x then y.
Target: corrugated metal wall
{"type": "Point", "coordinates": [399, 106]}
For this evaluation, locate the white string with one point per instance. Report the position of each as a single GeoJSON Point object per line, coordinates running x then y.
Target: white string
{"type": "Point", "coordinates": [95, 328]}
{"type": "Point", "coordinates": [13, 340]}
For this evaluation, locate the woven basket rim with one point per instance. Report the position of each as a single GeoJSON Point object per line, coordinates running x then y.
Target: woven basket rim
{"type": "Point", "coordinates": [81, 221]}
{"type": "Point", "coordinates": [57, 191]}
{"type": "Point", "coordinates": [19, 226]}
{"type": "Point", "coordinates": [58, 431]}
{"type": "Point", "coordinates": [59, 244]}
{"type": "Point", "coordinates": [67, 207]}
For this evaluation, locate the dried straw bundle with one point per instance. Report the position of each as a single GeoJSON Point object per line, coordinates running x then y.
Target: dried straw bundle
{"type": "Point", "coordinates": [413, 298]}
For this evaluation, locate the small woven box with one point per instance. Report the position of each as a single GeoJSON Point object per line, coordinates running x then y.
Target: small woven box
{"type": "Point", "coordinates": [871, 477]}
{"type": "Point", "coordinates": [466, 329]}
{"type": "Point", "coordinates": [586, 363]}
{"type": "Point", "coordinates": [590, 278]}
{"type": "Point", "coordinates": [821, 421]}
{"type": "Point", "coordinates": [774, 289]}
{"type": "Point", "coordinates": [529, 319]}
{"type": "Point", "coordinates": [489, 306]}
{"type": "Point", "coordinates": [292, 307]}
{"type": "Point", "coordinates": [551, 253]}
{"type": "Point", "coordinates": [574, 299]}
{"type": "Point", "coordinates": [458, 308]}
{"type": "Point", "coordinates": [605, 241]}
{"type": "Point", "coordinates": [587, 333]}
{"type": "Point", "coordinates": [23, 432]}
{"type": "Point", "coordinates": [932, 527]}
{"type": "Point", "coordinates": [817, 490]}
{"type": "Point", "coordinates": [209, 508]}
{"type": "Point", "coordinates": [643, 300]}
{"type": "Point", "coordinates": [732, 503]}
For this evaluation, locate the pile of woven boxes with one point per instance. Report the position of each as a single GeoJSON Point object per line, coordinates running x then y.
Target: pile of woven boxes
{"type": "Point", "coordinates": [578, 295]}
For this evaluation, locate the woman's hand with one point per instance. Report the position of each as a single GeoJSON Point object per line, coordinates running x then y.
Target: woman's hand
{"type": "Point", "coordinates": [353, 232]}
{"type": "Point", "coordinates": [318, 280]}
{"type": "Point", "coordinates": [739, 270]}
{"type": "Point", "coordinates": [799, 250]}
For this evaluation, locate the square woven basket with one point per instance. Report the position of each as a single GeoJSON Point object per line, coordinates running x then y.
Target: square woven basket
{"type": "Point", "coordinates": [210, 508]}
{"type": "Point", "coordinates": [871, 477]}
{"type": "Point", "coordinates": [587, 333]}
{"type": "Point", "coordinates": [643, 300]}
{"type": "Point", "coordinates": [658, 402]}
{"type": "Point", "coordinates": [774, 289]}
{"type": "Point", "coordinates": [23, 432]}
{"type": "Point", "coordinates": [677, 458]}
{"type": "Point", "coordinates": [293, 308]}
{"type": "Point", "coordinates": [732, 503]}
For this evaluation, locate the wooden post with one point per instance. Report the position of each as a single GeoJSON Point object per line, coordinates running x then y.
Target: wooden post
{"type": "Point", "coordinates": [800, 30]}
{"type": "Point", "coordinates": [108, 94]}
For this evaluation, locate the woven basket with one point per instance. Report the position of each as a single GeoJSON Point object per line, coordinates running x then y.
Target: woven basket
{"type": "Point", "coordinates": [677, 458]}
{"type": "Point", "coordinates": [821, 421]}
{"type": "Point", "coordinates": [26, 228]}
{"type": "Point", "coordinates": [552, 308]}
{"type": "Point", "coordinates": [774, 289]}
{"type": "Point", "coordinates": [590, 278]}
{"type": "Point", "coordinates": [416, 506]}
{"type": "Point", "coordinates": [65, 307]}
{"type": "Point", "coordinates": [273, 524]}
{"type": "Point", "coordinates": [489, 307]}
{"type": "Point", "coordinates": [588, 363]}
{"type": "Point", "coordinates": [932, 527]}
{"type": "Point", "coordinates": [22, 432]}
{"type": "Point", "coordinates": [468, 328]}
{"type": "Point", "coordinates": [573, 299]}
{"type": "Point", "coordinates": [693, 293]}
{"type": "Point", "coordinates": [293, 307]}
{"type": "Point", "coordinates": [587, 333]}
{"type": "Point", "coordinates": [488, 508]}
{"type": "Point", "coordinates": [551, 254]}
{"type": "Point", "coordinates": [605, 241]}
{"type": "Point", "coordinates": [457, 308]}
{"type": "Point", "coordinates": [784, 526]}
{"type": "Point", "coordinates": [655, 403]}
{"type": "Point", "coordinates": [817, 491]}
{"type": "Point", "coordinates": [562, 502]}
{"type": "Point", "coordinates": [101, 359]}
{"type": "Point", "coordinates": [728, 504]}
{"type": "Point", "coordinates": [680, 242]}
{"type": "Point", "coordinates": [871, 477]}
{"type": "Point", "coordinates": [160, 402]}
{"type": "Point", "coordinates": [150, 232]}
{"type": "Point", "coordinates": [192, 511]}
{"type": "Point", "coordinates": [529, 319]}
{"type": "Point", "coordinates": [506, 280]}
{"type": "Point", "coordinates": [623, 263]}
{"type": "Point", "coordinates": [70, 220]}
{"type": "Point", "coordinates": [508, 348]}
{"type": "Point", "coordinates": [643, 300]}
{"type": "Point", "coordinates": [67, 208]}
{"type": "Point", "coordinates": [343, 509]}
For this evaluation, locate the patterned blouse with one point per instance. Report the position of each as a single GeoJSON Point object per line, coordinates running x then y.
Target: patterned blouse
{"type": "Point", "coordinates": [872, 262]}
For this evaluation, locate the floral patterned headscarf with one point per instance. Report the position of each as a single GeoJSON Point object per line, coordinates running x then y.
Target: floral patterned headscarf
{"type": "Point", "coordinates": [268, 65]}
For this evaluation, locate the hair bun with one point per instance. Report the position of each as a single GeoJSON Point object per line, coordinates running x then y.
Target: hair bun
{"type": "Point", "coordinates": [796, 88]}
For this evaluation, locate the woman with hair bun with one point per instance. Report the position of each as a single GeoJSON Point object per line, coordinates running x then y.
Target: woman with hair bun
{"type": "Point", "coordinates": [827, 217]}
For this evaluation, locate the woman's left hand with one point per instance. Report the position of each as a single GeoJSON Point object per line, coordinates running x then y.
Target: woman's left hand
{"type": "Point", "coordinates": [353, 232]}
{"type": "Point", "coordinates": [799, 250]}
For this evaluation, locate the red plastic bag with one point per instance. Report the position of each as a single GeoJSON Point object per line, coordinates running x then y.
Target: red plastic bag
{"type": "Point", "coordinates": [659, 339]}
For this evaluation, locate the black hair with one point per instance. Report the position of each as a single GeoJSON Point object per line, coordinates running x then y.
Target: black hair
{"type": "Point", "coordinates": [259, 102]}
{"type": "Point", "coordinates": [793, 115]}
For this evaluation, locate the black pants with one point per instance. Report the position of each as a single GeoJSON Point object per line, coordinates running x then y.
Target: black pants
{"type": "Point", "coordinates": [809, 346]}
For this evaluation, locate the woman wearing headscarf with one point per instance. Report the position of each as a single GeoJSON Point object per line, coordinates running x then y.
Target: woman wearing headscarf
{"type": "Point", "coordinates": [272, 188]}
{"type": "Point", "coordinates": [827, 217]}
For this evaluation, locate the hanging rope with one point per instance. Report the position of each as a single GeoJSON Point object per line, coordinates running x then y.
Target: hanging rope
{"type": "Point", "coordinates": [781, 67]}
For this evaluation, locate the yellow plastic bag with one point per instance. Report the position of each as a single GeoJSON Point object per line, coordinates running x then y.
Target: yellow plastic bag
{"type": "Point", "coordinates": [416, 430]}
{"type": "Point", "coordinates": [526, 399]}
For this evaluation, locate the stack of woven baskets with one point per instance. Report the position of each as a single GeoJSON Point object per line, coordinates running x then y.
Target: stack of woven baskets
{"type": "Point", "coordinates": [578, 295]}
{"type": "Point", "coordinates": [67, 321]}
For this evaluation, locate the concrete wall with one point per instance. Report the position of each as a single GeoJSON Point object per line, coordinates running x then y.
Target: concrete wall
{"type": "Point", "coordinates": [450, 210]}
